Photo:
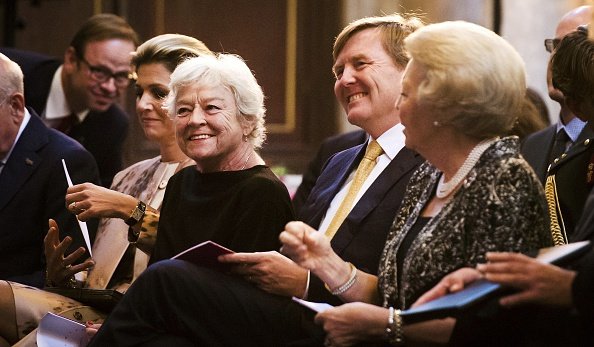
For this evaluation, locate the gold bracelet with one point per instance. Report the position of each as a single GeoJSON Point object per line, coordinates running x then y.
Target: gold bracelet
{"type": "Point", "coordinates": [69, 283]}
{"type": "Point", "coordinates": [346, 285]}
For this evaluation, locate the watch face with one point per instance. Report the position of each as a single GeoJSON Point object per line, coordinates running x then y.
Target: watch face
{"type": "Point", "coordinates": [137, 214]}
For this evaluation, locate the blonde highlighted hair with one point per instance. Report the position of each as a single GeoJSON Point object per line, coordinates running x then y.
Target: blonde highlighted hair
{"type": "Point", "coordinates": [472, 73]}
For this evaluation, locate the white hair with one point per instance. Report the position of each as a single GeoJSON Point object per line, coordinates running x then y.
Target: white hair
{"type": "Point", "coordinates": [229, 71]}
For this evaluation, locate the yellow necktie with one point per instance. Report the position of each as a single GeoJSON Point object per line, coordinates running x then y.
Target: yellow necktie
{"type": "Point", "coordinates": [367, 164]}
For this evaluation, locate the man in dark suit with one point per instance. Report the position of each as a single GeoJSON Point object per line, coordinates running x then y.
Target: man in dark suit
{"type": "Point", "coordinates": [32, 182]}
{"type": "Point", "coordinates": [562, 153]}
{"type": "Point", "coordinates": [328, 148]}
{"type": "Point", "coordinates": [367, 86]}
{"type": "Point", "coordinates": [77, 96]}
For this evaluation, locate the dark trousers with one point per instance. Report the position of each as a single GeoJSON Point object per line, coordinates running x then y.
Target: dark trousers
{"type": "Point", "coordinates": [177, 303]}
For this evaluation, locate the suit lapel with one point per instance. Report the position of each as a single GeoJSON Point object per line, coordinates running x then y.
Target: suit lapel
{"type": "Point", "coordinates": [405, 161]}
{"type": "Point", "coordinates": [23, 160]}
{"type": "Point", "coordinates": [333, 176]}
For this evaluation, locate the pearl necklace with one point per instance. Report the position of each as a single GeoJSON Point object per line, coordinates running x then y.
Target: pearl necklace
{"type": "Point", "coordinates": [445, 189]}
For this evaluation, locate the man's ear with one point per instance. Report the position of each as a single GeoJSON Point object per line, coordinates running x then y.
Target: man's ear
{"type": "Point", "coordinates": [70, 59]}
{"type": "Point", "coordinates": [17, 106]}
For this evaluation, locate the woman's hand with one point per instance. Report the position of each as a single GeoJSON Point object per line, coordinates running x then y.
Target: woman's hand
{"type": "Point", "coordinates": [91, 329]}
{"type": "Point", "coordinates": [60, 268]}
{"type": "Point", "coordinates": [88, 201]}
{"type": "Point", "coordinates": [451, 283]}
{"type": "Point", "coordinates": [307, 247]}
{"type": "Point", "coordinates": [349, 324]}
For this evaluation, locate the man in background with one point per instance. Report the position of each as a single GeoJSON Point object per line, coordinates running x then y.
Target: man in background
{"type": "Point", "coordinates": [562, 152]}
{"type": "Point", "coordinates": [78, 96]}
{"type": "Point", "coordinates": [32, 182]}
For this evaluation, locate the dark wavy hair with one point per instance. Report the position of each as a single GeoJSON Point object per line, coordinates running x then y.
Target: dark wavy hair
{"type": "Point", "coordinates": [573, 65]}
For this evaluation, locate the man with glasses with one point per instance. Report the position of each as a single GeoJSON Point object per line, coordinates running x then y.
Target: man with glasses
{"type": "Point", "coordinates": [77, 96]}
{"type": "Point", "coordinates": [562, 153]}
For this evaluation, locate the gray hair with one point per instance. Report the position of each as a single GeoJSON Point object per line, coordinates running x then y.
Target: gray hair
{"type": "Point", "coordinates": [231, 72]}
{"type": "Point", "coordinates": [472, 73]}
{"type": "Point", "coordinates": [11, 78]}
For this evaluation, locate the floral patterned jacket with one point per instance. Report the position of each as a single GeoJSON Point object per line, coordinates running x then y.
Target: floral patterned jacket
{"type": "Point", "coordinates": [499, 207]}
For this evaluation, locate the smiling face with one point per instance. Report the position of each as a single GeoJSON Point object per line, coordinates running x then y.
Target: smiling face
{"type": "Point", "coordinates": [367, 82]}
{"type": "Point", "coordinates": [82, 89]}
{"type": "Point", "coordinates": [151, 89]}
{"type": "Point", "coordinates": [208, 128]}
{"type": "Point", "coordinates": [417, 118]}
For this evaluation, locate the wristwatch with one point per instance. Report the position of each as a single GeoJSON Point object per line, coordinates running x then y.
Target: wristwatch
{"type": "Point", "coordinates": [136, 214]}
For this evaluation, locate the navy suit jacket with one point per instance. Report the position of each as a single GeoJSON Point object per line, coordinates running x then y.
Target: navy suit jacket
{"type": "Point", "coordinates": [361, 237]}
{"type": "Point", "coordinates": [101, 133]}
{"type": "Point", "coordinates": [329, 147]}
{"type": "Point", "coordinates": [573, 175]}
{"type": "Point", "coordinates": [32, 190]}
{"type": "Point", "coordinates": [536, 148]}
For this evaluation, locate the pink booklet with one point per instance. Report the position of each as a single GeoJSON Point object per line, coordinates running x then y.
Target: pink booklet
{"type": "Point", "coordinates": [205, 254]}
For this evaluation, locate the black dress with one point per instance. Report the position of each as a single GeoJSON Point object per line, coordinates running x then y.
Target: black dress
{"type": "Point", "coordinates": [242, 210]}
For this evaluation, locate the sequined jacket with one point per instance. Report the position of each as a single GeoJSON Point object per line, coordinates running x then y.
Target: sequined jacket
{"type": "Point", "coordinates": [499, 207]}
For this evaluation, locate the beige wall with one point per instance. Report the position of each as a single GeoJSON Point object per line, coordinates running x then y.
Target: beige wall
{"type": "Point", "coordinates": [525, 25]}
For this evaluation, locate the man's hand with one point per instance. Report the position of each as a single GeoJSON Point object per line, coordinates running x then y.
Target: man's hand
{"type": "Point", "coordinates": [270, 271]}
{"type": "Point", "coordinates": [538, 283]}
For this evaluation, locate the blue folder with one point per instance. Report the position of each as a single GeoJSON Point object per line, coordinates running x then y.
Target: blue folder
{"type": "Point", "coordinates": [452, 305]}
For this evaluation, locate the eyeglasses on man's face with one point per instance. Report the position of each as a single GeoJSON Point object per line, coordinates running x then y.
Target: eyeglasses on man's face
{"type": "Point", "coordinates": [551, 44]}
{"type": "Point", "coordinates": [101, 74]}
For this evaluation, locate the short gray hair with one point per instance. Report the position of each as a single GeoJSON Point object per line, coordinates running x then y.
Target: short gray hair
{"type": "Point", "coordinates": [229, 71]}
{"type": "Point", "coordinates": [11, 78]}
{"type": "Point", "coordinates": [471, 72]}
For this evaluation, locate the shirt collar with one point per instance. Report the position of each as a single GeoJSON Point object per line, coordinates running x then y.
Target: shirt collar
{"type": "Point", "coordinates": [392, 141]}
{"type": "Point", "coordinates": [573, 128]}
{"type": "Point", "coordinates": [56, 106]}
{"type": "Point", "coordinates": [24, 123]}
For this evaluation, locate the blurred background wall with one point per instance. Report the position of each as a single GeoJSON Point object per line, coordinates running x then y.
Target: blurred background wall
{"type": "Point", "coordinates": [287, 43]}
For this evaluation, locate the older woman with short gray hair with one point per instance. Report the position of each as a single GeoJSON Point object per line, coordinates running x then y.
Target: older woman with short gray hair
{"type": "Point", "coordinates": [230, 196]}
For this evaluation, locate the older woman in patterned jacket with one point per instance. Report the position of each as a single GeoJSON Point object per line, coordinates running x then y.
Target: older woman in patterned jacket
{"type": "Point", "coordinates": [460, 92]}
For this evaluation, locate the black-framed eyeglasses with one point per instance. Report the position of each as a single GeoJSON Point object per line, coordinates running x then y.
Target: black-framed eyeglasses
{"type": "Point", "coordinates": [101, 74]}
{"type": "Point", "coordinates": [551, 44]}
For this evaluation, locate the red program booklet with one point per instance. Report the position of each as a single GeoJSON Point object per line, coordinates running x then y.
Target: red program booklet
{"type": "Point", "coordinates": [205, 254]}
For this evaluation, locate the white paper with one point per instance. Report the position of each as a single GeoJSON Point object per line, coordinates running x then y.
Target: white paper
{"type": "Point", "coordinates": [57, 331]}
{"type": "Point", "coordinates": [83, 225]}
{"type": "Point", "coordinates": [315, 306]}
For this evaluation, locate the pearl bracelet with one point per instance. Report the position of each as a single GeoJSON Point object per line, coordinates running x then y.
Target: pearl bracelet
{"type": "Point", "coordinates": [346, 285]}
{"type": "Point", "coordinates": [395, 329]}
